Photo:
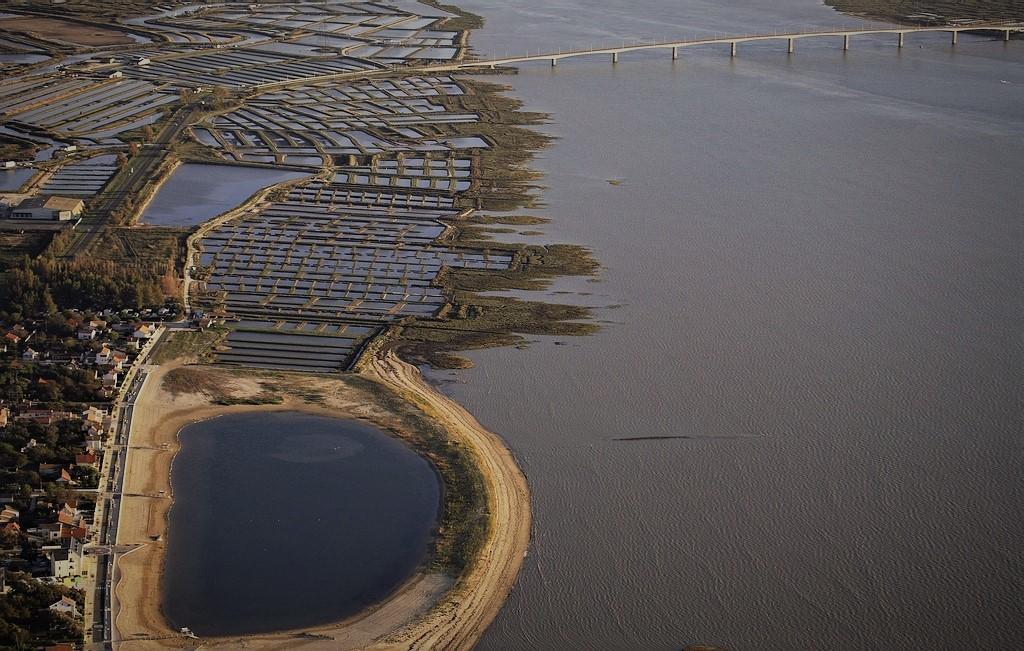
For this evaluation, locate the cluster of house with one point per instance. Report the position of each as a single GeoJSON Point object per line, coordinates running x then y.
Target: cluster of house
{"type": "Point", "coordinates": [109, 361]}
{"type": "Point", "coordinates": [96, 423]}
{"type": "Point", "coordinates": [60, 539]}
{"type": "Point", "coordinates": [43, 207]}
{"type": "Point", "coordinates": [60, 542]}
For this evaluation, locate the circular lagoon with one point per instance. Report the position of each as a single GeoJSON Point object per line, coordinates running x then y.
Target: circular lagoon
{"type": "Point", "coordinates": [288, 520]}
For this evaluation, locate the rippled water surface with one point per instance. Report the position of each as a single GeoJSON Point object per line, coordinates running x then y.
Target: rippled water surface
{"type": "Point", "coordinates": [813, 271]}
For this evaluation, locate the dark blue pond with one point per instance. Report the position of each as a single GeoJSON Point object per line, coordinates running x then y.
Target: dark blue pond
{"type": "Point", "coordinates": [196, 192]}
{"type": "Point", "coordinates": [288, 520]}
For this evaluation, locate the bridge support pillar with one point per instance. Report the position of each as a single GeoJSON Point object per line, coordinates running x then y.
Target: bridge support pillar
{"type": "Point", "coordinates": [554, 62]}
{"type": "Point", "coordinates": [846, 42]}
{"type": "Point", "coordinates": [675, 50]}
{"type": "Point", "coordinates": [732, 50]}
{"type": "Point", "coordinates": [1006, 36]}
{"type": "Point", "coordinates": [899, 43]}
{"type": "Point", "coordinates": [615, 57]}
{"type": "Point", "coordinates": [792, 45]}
{"type": "Point", "coordinates": [955, 34]}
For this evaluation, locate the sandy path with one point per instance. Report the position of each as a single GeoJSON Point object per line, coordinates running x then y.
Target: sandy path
{"type": "Point", "coordinates": [462, 620]}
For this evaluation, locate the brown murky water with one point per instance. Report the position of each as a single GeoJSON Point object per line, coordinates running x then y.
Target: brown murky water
{"type": "Point", "coordinates": [819, 264]}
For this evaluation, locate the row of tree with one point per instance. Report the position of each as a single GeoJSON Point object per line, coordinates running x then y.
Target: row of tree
{"type": "Point", "coordinates": [39, 287]}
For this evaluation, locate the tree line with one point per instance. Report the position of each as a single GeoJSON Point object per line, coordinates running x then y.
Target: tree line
{"type": "Point", "coordinates": [47, 284]}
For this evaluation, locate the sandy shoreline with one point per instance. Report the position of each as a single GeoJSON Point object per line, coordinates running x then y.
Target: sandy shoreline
{"type": "Point", "coordinates": [429, 611]}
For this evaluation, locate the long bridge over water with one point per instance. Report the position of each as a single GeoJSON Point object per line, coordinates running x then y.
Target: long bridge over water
{"type": "Point", "coordinates": [845, 35]}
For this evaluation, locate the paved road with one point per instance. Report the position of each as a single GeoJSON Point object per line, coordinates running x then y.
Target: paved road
{"type": "Point", "coordinates": [102, 626]}
{"type": "Point", "coordinates": [141, 169]}
{"type": "Point", "coordinates": [106, 575]}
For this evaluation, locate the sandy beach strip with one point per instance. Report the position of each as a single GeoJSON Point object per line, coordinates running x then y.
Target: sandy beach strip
{"type": "Point", "coordinates": [428, 612]}
{"type": "Point", "coordinates": [462, 620]}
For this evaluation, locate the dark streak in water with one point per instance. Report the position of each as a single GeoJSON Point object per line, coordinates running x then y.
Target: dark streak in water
{"type": "Point", "coordinates": [684, 436]}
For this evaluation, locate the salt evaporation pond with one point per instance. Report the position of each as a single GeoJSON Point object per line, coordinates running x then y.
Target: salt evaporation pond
{"type": "Point", "coordinates": [198, 191]}
{"type": "Point", "coordinates": [11, 180]}
{"type": "Point", "coordinates": [288, 520]}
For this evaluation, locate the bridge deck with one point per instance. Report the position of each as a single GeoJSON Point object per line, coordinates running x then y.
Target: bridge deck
{"type": "Point", "coordinates": [726, 40]}
{"type": "Point", "coordinates": [553, 57]}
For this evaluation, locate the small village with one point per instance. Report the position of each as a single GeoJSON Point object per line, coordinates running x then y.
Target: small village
{"type": "Point", "coordinates": [62, 379]}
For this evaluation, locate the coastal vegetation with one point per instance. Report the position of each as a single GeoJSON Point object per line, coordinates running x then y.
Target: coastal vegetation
{"type": "Point", "coordinates": [464, 519]}
{"type": "Point", "coordinates": [12, 148]}
{"type": "Point", "coordinates": [503, 183]}
{"type": "Point", "coordinates": [463, 21]}
{"type": "Point", "coordinates": [932, 12]}
{"type": "Point", "coordinates": [193, 346]}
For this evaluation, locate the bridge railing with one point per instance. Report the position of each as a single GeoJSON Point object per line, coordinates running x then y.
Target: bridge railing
{"type": "Point", "coordinates": [715, 37]}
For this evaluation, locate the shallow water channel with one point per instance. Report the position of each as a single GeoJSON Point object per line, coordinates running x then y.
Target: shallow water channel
{"type": "Point", "coordinates": [199, 191]}
{"type": "Point", "coordinates": [322, 514]}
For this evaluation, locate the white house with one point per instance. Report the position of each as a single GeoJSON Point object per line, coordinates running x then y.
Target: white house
{"type": "Point", "coordinates": [63, 563]}
{"type": "Point", "coordinates": [66, 606]}
{"type": "Point", "coordinates": [30, 355]}
{"type": "Point", "coordinates": [104, 356]}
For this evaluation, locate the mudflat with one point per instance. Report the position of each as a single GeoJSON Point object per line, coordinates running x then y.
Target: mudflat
{"type": "Point", "coordinates": [54, 29]}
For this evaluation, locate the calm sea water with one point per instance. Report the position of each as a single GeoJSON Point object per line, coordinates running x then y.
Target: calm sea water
{"type": "Point", "coordinates": [813, 273]}
{"type": "Point", "coordinates": [288, 520]}
{"type": "Point", "coordinates": [196, 192]}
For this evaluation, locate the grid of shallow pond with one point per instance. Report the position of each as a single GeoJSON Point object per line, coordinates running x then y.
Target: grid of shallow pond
{"type": "Point", "coordinates": [273, 345]}
{"type": "Point", "coordinates": [81, 179]}
{"type": "Point", "coordinates": [85, 107]}
{"type": "Point", "coordinates": [21, 94]}
{"type": "Point", "coordinates": [447, 172]}
{"type": "Point", "coordinates": [243, 67]}
{"type": "Point", "coordinates": [298, 126]}
{"type": "Point", "coordinates": [327, 258]}
{"type": "Point", "coordinates": [368, 30]}
{"type": "Point", "coordinates": [308, 277]}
